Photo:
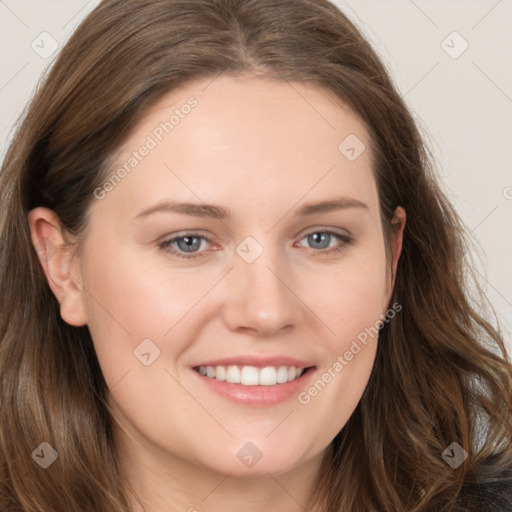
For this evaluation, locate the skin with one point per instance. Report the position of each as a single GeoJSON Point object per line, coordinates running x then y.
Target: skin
{"type": "Point", "coordinates": [263, 149]}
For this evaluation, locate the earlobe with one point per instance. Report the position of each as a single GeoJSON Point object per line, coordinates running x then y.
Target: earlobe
{"type": "Point", "coordinates": [59, 265]}
{"type": "Point", "coordinates": [398, 226]}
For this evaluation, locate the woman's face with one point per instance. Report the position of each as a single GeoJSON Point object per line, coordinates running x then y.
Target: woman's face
{"type": "Point", "coordinates": [263, 279]}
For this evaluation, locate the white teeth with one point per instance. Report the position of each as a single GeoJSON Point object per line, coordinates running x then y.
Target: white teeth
{"type": "Point", "coordinates": [233, 375]}
{"type": "Point", "coordinates": [251, 375]}
{"type": "Point", "coordinates": [220, 373]}
{"type": "Point", "coordinates": [282, 374]}
{"type": "Point", "coordinates": [268, 376]}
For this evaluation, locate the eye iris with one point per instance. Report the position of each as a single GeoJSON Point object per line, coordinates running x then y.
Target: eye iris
{"type": "Point", "coordinates": [189, 244]}
{"type": "Point", "coordinates": [316, 236]}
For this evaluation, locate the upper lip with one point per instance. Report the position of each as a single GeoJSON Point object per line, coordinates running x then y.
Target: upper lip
{"type": "Point", "coordinates": [259, 362]}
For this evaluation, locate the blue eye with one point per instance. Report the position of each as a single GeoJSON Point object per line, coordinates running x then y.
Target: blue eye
{"type": "Point", "coordinates": [320, 237]}
{"type": "Point", "coordinates": [189, 243]}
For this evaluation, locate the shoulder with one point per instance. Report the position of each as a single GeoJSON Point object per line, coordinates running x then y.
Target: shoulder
{"type": "Point", "coordinates": [489, 488]}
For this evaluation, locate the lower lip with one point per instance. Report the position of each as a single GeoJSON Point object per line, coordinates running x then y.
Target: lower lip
{"type": "Point", "coordinates": [257, 395]}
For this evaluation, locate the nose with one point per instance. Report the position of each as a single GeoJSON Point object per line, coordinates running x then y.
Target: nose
{"type": "Point", "coordinates": [260, 299]}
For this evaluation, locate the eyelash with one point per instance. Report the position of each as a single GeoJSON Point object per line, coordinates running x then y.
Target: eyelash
{"type": "Point", "coordinates": [165, 245]}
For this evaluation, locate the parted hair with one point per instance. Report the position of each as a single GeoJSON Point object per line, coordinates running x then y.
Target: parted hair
{"type": "Point", "coordinates": [441, 374]}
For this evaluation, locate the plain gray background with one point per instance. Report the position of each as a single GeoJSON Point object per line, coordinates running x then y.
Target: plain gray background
{"type": "Point", "coordinates": [452, 62]}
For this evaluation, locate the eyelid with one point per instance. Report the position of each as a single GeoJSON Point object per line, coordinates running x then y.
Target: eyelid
{"type": "Point", "coordinates": [345, 238]}
{"type": "Point", "coordinates": [324, 229]}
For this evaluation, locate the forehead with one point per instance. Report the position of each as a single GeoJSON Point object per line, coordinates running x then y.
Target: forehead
{"type": "Point", "coordinates": [245, 142]}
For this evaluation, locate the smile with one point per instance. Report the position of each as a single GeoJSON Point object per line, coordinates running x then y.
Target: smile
{"type": "Point", "coordinates": [251, 375]}
{"type": "Point", "coordinates": [254, 386]}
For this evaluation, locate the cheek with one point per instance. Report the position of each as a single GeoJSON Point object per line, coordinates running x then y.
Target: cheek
{"type": "Point", "coordinates": [129, 301]}
{"type": "Point", "coordinates": [139, 290]}
{"type": "Point", "coordinates": [351, 304]}
{"type": "Point", "coordinates": [351, 296]}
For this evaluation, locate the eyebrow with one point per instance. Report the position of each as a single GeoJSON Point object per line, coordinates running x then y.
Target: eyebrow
{"type": "Point", "coordinates": [220, 213]}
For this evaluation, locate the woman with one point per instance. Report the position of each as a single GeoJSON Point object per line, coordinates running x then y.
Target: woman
{"type": "Point", "coordinates": [171, 336]}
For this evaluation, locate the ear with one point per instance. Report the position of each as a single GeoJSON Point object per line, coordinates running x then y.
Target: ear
{"type": "Point", "coordinates": [61, 268]}
{"type": "Point", "coordinates": [397, 232]}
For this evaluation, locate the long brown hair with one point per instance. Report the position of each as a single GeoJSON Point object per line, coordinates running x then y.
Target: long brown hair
{"type": "Point", "coordinates": [441, 374]}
